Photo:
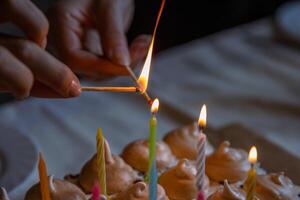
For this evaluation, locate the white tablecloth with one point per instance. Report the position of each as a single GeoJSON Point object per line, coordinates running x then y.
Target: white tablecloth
{"type": "Point", "coordinates": [241, 74]}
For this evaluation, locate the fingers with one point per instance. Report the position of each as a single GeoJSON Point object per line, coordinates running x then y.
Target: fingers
{"type": "Point", "coordinates": [66, 39]}
{"type": "Point", "coordinates": [15, 77]}
{"type": "Point", "coordinates": [42, 91]}
{"type": "Point", "coordinates": [92, 42]}
{"type": "Point", "coordinates": [110, 23]}
{"type": "Point", "coordinates": [139, 48]}
{"type": "Point", "coordinates": [45, 68]}
{"type": "Point", "coordinates": [28, 17]}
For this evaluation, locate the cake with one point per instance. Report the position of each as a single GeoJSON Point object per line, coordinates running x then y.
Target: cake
{"type": "Point", "coordinates": [139, 191]}
{"type": "Point", "coordinates": [116, 169]}
{"type": "Point", "coordinates": [183, 142]}
{"type": "Point", "coordinates": [227, 163]}
{"type": "Point", "coordinates": [228, 192]}
{"type": "Point", "coordinates": [3, 194]}
{"type": "Point", "coordinates": [136, 154]}
{"type": "Point", "coordinates": [226, 172]}
{"type": "Point", "coordinates": [179, 181]}
{"type": "Point", "coordinates": [276, 186]}
{"type": "Point", "coordinates": [59, 190]}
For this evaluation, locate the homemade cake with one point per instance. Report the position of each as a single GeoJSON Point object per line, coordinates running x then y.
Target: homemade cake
{"type": "Point", "coordinates": [228, 192]}
{"type": "Point", "coordinates": [116, 169]}
{"type": "Point", "coordinates": [227, 163]}
{"type": "Point", "coordinates": [179, 181]}
{"type": "Point", "coordinates": [276, 186]}
{"type": "Point", "coordinates": [3, 194]}
{"type": "Point", "coordinates": [139, 191]}
{"type": "Point", "coordinates": [183, 142]}
{"type": "Point", "coordinates": [136, 154]}
{"type": "Point", "coordinates": [59, 190]}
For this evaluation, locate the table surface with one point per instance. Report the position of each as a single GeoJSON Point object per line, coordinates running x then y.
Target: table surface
{"type": "Point", "coordinates": [242, 75]}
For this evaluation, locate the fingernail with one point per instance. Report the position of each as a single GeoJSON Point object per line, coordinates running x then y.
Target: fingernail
{"type": "Point", "coordinates": [120, 55]}
{"type": "Point", "coordinates": [75, 89]}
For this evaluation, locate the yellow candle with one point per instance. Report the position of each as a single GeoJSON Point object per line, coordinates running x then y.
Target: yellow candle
{"type": "Point", "coordinates": [250, 183]}
{"type": "Point", "coordinates": [101, 162]}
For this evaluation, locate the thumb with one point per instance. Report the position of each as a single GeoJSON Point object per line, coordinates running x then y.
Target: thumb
{"type": "Point", "coordinates": [110, 25]}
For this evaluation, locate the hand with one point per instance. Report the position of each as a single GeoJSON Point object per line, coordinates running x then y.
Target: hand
{"type": "Point", "coordinates": [90, 36]}
{"type": "Point", "coordinates": [25, 68]}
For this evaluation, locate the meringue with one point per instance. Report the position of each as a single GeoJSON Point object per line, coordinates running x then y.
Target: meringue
{"type": "Point", "coordinates": [59, 190]}
{"type": "Point", "coordinates": [183, 142]}
{"type": "Point", "coordinates": [119, 175]}
{"type": "Point", "coordinates": [136, 154]}
{"type": "Point", "coordinates": [276, 186]}
{"type": "Point", "coordinates": [179, 181]}
{"type": "Point", "coordinates": [3, 194]}
{"type": "Point", "coordinates": [139, 191]}
{"type": "Point", "coordinates": [227, 163]}
{"type": "Point", "coordinates": [228, 192]}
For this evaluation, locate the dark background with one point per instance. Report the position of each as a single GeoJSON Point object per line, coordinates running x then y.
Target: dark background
{"type": "Point", "coordinates": [186, 20]}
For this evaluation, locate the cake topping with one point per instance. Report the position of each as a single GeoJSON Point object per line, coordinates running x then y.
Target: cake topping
{"type": "Point", "coordinates": [183, 142]}
{"type": "Point", "coordinates": [59, 189]}
{"type": "Point", "coordinates": [180, 181]}
{"type": "Point", "coordinates": [116, 169]}
{"type": "Point", "coordinates": [139, 191]}
{"type": "Point", "coordinates": [227, 163]}
{"type": "Point", "coordinates": [3, 194]}
{"type": "Point", "coordinates": [228, 192]}
{"type": "Point", "coordinates": [276, 186]}
{"type": "Point", "coordinates": [136, 154]}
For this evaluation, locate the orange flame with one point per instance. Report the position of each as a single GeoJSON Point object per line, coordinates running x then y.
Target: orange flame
{"type": "Point", "coordinates": [253, 155]}
{"type": "Point", "coordinates": [155, 106]}
{"type": "Point", "coordinates": [144, 76]}
{"type": "Point", "coordinates": [202, 117]}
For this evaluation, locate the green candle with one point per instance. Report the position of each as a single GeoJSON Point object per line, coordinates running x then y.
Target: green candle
{"type": "Point", "coordinates": [152, 139]}
{"type": "Point", "coordinates": [152, 134]}
{"type": "Point", "coordinates": [152, 171]}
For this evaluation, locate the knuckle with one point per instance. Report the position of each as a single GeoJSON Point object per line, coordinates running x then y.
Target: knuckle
{"type": "Point", "coordinates": [41, 29]}
{"type": "Point", "coordinates": [26, 49]}
{"type": "Point", "coordinates": [25, 83]}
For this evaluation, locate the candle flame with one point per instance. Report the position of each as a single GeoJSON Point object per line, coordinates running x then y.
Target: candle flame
{"type": "Point", "coordinates": [252, 155]}
{"type": "Point", "coordinates": [202, 117]}
{"type": "Point", "coordinates": [144, 76]}
{"type": "Point", "coordinates": [155, 106]}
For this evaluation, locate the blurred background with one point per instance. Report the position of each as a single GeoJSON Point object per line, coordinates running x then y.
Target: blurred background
{"type": "Point", "coordinates": [184, 21]}
{"type": "Point", "coordinates": [193, 19]}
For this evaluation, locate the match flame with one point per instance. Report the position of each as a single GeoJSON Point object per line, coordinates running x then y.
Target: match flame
{"type": "Point", "coordinates": [252, 158]}
{"type": "Point", "coordinates": [155, 106]}
{"type": "Point", "coordinates": [202, 117]}
{"type": "Point", "coordinates": [144, 76]}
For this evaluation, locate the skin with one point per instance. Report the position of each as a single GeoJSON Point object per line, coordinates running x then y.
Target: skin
{"type": "Point", "coordinates": [76, 27]}
{"type": "Point", "coordinates": [90, 36]}
{"type": "Point", "coordinates": [26, 68]}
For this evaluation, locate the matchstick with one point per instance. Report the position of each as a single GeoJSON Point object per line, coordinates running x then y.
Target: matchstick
{"type": "Point", "coordinates": [133, 76]}
{"type": "Point", "coordinates": [110, 89]}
